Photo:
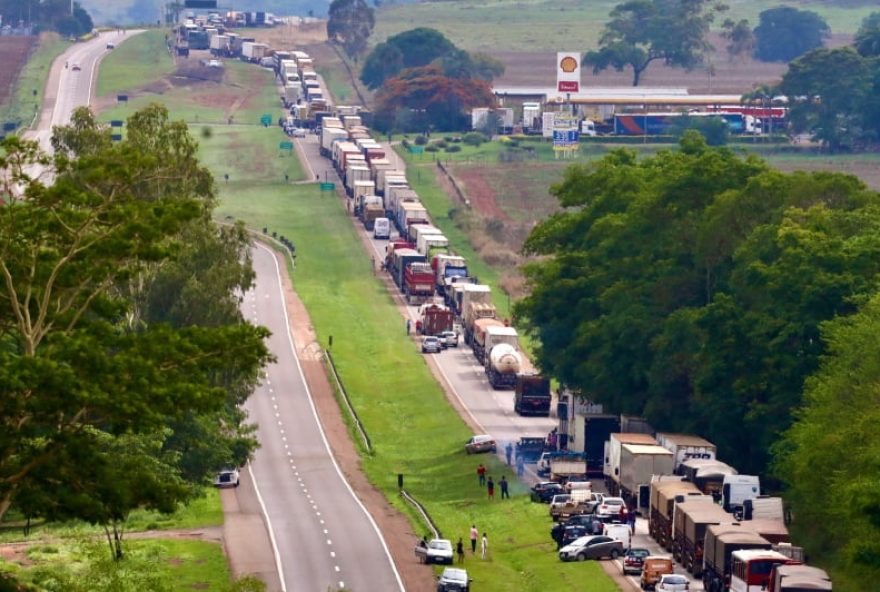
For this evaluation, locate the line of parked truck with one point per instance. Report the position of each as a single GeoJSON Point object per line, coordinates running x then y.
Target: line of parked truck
{"type": "Point", "coordinates": [715, 522]}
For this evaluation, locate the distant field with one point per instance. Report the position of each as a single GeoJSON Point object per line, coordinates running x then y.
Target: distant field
{"type": "Point", "coordinates": [137, 62]}
{"type": "Point", "coordinates": [21, 102]}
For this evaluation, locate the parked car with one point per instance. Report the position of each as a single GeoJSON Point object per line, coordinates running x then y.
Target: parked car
{"type": "Point", "coordinates": [672, 583]}
{"type": "Point", "coordinates": [545, 490]}
{"type": "Point", "coordinates": [110, 45]}
{"type": "Point", "coordinates": [431, 345]}
{"type": "Point", "coordinates": [654, 567]}
{"type": "Point", "coordinates": [75, 68]}
{"type": "Point", "coordinates": [449, 338]}
{"type": "Point", "coordinates": [621, 532]}
{"type": "Point", "coordinates": [573, 533]}
{"type": "Point", "coordinates": [591, 547]}
{"type": "Point", "coordinates": [226, 478]}
{"type": "Point", "coordinates": [481, 443]}
{"type": "Point", "coordinates": [571, 504]}
{"type": "Point", "coordinates": [633, 560]}
{"type": "Point", "coordinates": [436, 551]}
{"type": "Point", "coordinates": [585, 521]}
{"type": "Point", "coordinates": [298, 132]}
{"type": "Point", "coordinates": [610, 506]}
{"type": "Point", "coordinates": [453, 579]}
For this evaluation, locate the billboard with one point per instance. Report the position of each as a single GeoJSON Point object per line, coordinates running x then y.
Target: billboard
{"type": "Point", "coordinates": [568, 72]}
{"type": "Point", "coordinates": [565, 134]}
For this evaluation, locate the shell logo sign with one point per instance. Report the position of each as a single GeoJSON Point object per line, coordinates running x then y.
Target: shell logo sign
{"type": "Point", "coordinates": [568, 72]}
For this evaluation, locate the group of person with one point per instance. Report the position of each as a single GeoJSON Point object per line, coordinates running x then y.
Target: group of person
{"type": "Point", "coordinates": [489, 484]}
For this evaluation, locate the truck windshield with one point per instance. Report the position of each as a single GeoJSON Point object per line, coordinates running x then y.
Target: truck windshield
{"type": "Point", "coordinates": [456, 271]}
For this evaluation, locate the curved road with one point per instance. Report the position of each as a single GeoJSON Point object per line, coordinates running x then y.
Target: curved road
{"type": "Point", "coordinates": [323, 535]}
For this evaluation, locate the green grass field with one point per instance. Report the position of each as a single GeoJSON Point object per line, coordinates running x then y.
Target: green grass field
{"type": "Point", "coordinates": [392, 389]}
{"type": "Point", "coordinates": [23, 103]}
{"type": "Point", "coordinates": [560, 25]}
{"type": "Point", "coordinates": [139, 61]}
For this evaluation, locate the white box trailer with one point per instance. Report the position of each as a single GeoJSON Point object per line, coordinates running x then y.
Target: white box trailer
{"type": "Point", "coordinates": [252, 51]}
{"type": "Point", "coordinates": [292, 93]}
{"type": "Point", "coordinates": [615, 443]}
{"type": "Point", "coordinates": [332, 122]}
{"type": "Point", "coordinates": [351, 121]}
{"type": "Point", "coordinates": [547, 121]}
{"type": "Point", "coordinates": [686, 447]}
{"type": "Point", "coordinates": [329, 137]}
{"type": "Point", "coordinates": [428, 242]}
{"type": "Point", "coordinates": [637, 465]}
{"type": "Point", "coordinates": [219, 44]}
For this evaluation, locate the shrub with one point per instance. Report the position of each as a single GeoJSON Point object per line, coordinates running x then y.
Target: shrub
{"type": "Point", "coordinates": [440, 144]}
{"type": "Point", "coordinates": [431, 148]}
{"type": "Point", "coordinates": [453, 149]}
{"type": "Point", "coordinates": [474, 138]}
{"type": "Point", "coordinates": [421, 140]}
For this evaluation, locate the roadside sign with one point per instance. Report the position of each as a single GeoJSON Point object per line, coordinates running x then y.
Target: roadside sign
{"type": "Point", "coordinates": [10, 126]}
{"type": "Point", "coordinates": [121, 98]}
{"type": "Point", "coordinates": [116, 123]}
{"type": "Point", "coordinates": [328, 186]}
{"type": "Point", "coordinates": [416, 149]}
{"type": "Point", "coordinates": [266, 120]}
{"type": "Point", "coordinates": [116, 137]}
{"type": "Point", "coordinates": [285, 146]}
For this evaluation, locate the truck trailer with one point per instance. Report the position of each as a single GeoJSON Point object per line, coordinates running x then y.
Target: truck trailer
{"type": "Point", "coordinates": [532, 396]}
{"type": "Point", "coordinates": [664, 496]}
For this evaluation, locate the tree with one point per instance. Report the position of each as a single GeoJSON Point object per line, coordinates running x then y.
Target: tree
{"type": "Point", "coordinates": [714, 129]}
{"type": "Point", "coordinates": [486, 67]}
{"type": "Point", "coordinates": [785, 33]}
{"type": "Point", "coordinates": [409, 49]}
{"type": "Point", "coordinates": [867, 40]}
{"type": "Point", "coordinates": [828, 457]}
{"type": "Point", "coordinates": [690, 287]}
{"type": "Point", "coordinates": [444, 101]}
{"type": "Point", "coordinates": [643, 31]}
{"type": "Point", "coordinates": [350, 23]}
{"type": "Point", "coordinates": [78, 362]}
{"type": "Point", "coordinates": [739, 36]}
{"type": "Point", "coordinates": [828, 88]}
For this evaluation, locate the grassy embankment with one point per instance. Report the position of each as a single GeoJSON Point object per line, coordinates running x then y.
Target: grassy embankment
{"type": "Point", "coordinates": [23, 103]}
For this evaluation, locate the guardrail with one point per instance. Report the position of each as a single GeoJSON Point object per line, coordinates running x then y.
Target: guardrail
{"type": "Point", "coordinates": [357, 421]}
{"type": "Point", "coordinates": [435, 531]}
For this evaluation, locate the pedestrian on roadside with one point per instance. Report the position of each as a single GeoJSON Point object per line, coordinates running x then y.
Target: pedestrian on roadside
{"type": "Point", "coordinates": [481, 474]}
{"type": "Point", "coordinates": [508, 451]}
{"type": "Point", "coordinates": [474, 534]}
{"type": "Point", "coordinates": [520, 466]}
{"type": "Point", "coordinates": [490, 487]}
{"type": "Point", "coordinates": [484, 547]}
{"type": "Point", "coordinates": [503, 484]}
{"type": "Point", "coordinates": [408, 326]}
{"type": "Point", "coordinates": [459, 549]}
{"type": "Point", "coordinates": [631, 520]}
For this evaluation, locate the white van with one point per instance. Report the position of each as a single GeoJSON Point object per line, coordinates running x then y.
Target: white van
{"type": "Point", "coordinates": [620, 532]}
{"type": "Point", "coordinates": [382, 228]}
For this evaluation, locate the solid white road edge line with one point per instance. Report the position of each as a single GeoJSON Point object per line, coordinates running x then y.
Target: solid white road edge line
{"type": "Point", "coordinates": [271, 530]}
{"type": "Point", "coordinates": [318, 419]}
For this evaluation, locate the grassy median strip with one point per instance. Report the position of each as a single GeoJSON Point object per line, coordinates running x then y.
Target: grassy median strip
{"type": "Point", "coordinates": [137, 62]}
{"type": "Point", "coordinates": [414, 430]}
{"type": "Point", "coordinates": [22, 105]}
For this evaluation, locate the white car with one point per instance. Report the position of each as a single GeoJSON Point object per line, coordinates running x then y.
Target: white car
{"type": "Point", "coordinates": [226, 478]}
{"type": "Point", "coordinates": [298, 132]}
{"type": "Point", "coordinates": [610, 506]}
{"type": "Point", "coordinates": [436, 551]}
{"type": "Point", "coordinates": [672, 583]}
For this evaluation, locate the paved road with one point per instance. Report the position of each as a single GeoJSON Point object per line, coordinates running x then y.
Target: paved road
{"type": "Point", "coordinates": [67, 88]}
{"type": "Point", "coordinates": [324, 537]}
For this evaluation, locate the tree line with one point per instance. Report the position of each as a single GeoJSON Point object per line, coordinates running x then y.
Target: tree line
{"type": "Point", "coordinates": [123, 355]}
{"type": "Point", "coordinates": [52, 15]}
{"type": "Point", "coordinates": [704, 290]}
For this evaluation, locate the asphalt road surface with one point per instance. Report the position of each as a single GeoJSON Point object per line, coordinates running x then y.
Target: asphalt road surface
{"type": "Point", "coordinates": [323, 536]}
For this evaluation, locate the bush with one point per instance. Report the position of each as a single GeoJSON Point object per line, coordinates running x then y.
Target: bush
{"type": "Point", "coordinates": [474, 138]}
{"type": "Point", "coordinates": [431, 148]}
{"type": "Point", "coordinates": [405, 143]}
{"type": "Point", "coordinates": [440, 144]}
{"type": "Point", "coordinates": [449, 139]}
{"type": "Point", "coordinates": [453, 149]}
{"type": "Point", "coordinates": [421, 140]}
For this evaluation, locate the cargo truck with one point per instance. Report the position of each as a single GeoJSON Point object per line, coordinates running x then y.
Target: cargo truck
{"type": "Point", "coordinates": [418, 282]}
{"type": "Point", "coordinates": [409, 213]}
{"type": "Point", "coordinates": [253, 52]}
{"type": "Point", "coordinates": [431, 244]}
{"type": "Point", "coordinates": [690, 521]}
{"type": "Point", "coordinates": [372, 212]}
{"type": "Point", "coordinates": [707, 475]}
{"type": "Point", "coordinates": [686, 447]}
{"type": "Point", "coordinates": [447, 266]}
{"type": "Point", "coordinates": [400, 259]}
{"type": "Point", "coordinates": [471, 293]}
{"type": "Point", "coordinates": [564, 468]}
{"type": "Point", "coordinates": [798, 578]}
{"type": "Point", "coordinates": [664, 497]}
{"type": "Point", "coordinates": [721, 541]}
{"type": "Point", "coordinates": [736, 489]}
{"type": "Point", "coordinates": [532, 396]}
{"type": "Point", "coordinates": [421, 230]}
{"type": "Point", "coordinates": [532, 118]}
{"type": "Point", "coordinates": [435, 319]}
{"type": "Point", "coordinates": [611, 454]}
{"type": "Point", "coordinates": [632, 467]}
{"type": "Point", "coordinates": [597, 430]}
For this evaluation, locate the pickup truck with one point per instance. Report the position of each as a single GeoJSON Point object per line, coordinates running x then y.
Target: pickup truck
{"type": "Point", "coordinates": [574, 503]}
{"type": "Point", "coordinates": [435, 551]}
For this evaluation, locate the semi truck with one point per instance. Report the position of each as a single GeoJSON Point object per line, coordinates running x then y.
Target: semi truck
{"type": "Point", "coordinates": [532, 396]}
{"type": "Point", "coordinates": [504, 361]}
{"type": "Point", "coordinates": [632, 465]}
{"type": "Point", "coordinates": [736, 489]}
{"type": "Point", "coordinates": [564, 468]}
{"type": "Point", "coordinates": [464, 297]}
{"type": "Point", "coordinates": [432, 244]}
{"type": "Point", "coordinates": [532, 118]}
{"type": "Point", "coordinates": [660, 124]}
{"type": "Point", "coordinates": [597, 430]}
{"type": "Point", "coordinates": [613, 446]}
{"type": "Point", "coordinates": [686, 447]}
{"type": "Point", "coordinates": [252, 51]}
{"type": "Point", "coordinates": [707, 475]}
{"type": "Point", "coordinates": [664, 496]}
{"type": "Point", "coordinates": [478, 336]}
{"type": "Point", "coordinates": [446, 267]}
{"type": "Point", "coordinates": [400, 259]}
{"type": "Point", "coordinates": [690, 520]}
{"type": "Point", "coordinates": [721, 542]}
{"type": "Point", "coordinates": [418, 281]}
{"type": "Point", "coordinates": [435, 319]}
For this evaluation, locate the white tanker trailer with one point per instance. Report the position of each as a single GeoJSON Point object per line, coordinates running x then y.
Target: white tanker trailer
{"type": "Point", "coordinates": [502, 366]}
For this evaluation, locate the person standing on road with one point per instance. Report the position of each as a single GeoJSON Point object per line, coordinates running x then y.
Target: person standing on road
{"type": "Point", "coordinates": [520, 466]}
{"type": "Point", "coordinates": [508, 451]}
{"type": "Point", "coordinates": [631, 520]}
{"type": "Point", "coordinates": [484, 547]}
{"type": "Point", "coordinates": [481, 474]}
{"type": "Point", "coordinates": [503, 484]}
{"type": "Point", "coordinates": [459, 549]}
{"type": "Point", "coordinates": [490, 486]}
{"type": "Point", "coordinates": [474, 534]}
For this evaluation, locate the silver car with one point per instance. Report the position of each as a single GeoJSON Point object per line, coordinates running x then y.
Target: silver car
{"type": "Point", "coordinates": [431, 345]}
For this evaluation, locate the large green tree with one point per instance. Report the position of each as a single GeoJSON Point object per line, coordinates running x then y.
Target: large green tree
{"type": "Point", "coordinates": [867, 41]}
{"type": "Point", "coordinates": [784, 33]}
{"type": "Point", "coordinates": [828, 90]}
{"type": "Point", "coordinates": [689, 287]}
{"type": "Point", "coordinates": [350, 23]}
{"type": "Point", "coordinates": [641, 32]}
{"type": "Point", "coordinates": [829, 457]}
{"type": "Point", "coordinates": [409, 49]}
{"type": "Point", "coordinates": [79, 358]}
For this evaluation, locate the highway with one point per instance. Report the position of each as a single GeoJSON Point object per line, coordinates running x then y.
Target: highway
{"type": "Point", "coordinates": [323, 537]}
